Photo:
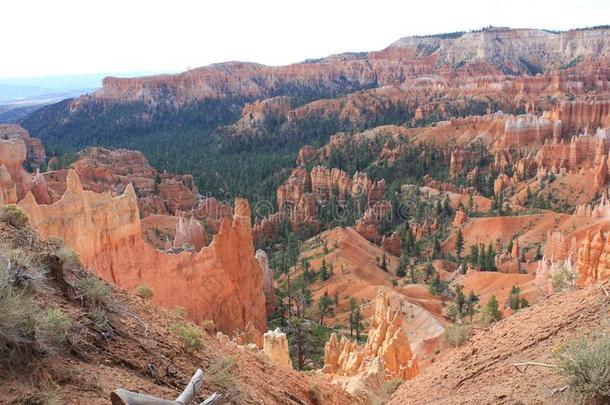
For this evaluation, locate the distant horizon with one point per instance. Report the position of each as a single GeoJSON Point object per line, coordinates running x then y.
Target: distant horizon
{"type": "Point", "coordinates": [67, 38]}
{"type": "Point", "coordinates": [127, 74]}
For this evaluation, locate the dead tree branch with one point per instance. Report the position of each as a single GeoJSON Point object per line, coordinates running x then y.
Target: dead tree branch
{"type": "Point", "coordinates": [528, 364]}
{"type": "Point", "coordinates": [124, 397]}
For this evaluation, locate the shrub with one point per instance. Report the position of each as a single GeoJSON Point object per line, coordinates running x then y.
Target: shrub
{"type": "Point", "coordinates": [13, 215]}
{"type": "Point", "coordinates": [585, 364]}
{"type": "Point", "coordinates": [456, 335]}
{"type": "Point", "coordinates": [189, 335]}
{"type": "Point", "coordinates": [20, 269]}
{"type": "Point", "coordinates": [219, 372]}
{"type": "Point", "coordinates": [563, 279]}
{"type": "Point", "coordinates": [99, 318]}
{"type": "Point", "coordinates": [315, 393]}
{"type": "Point", "coordinates": [68, 257]}
{"type": "Point", "coordinates": [144, 291]}
{"type": "Point", "coordinates": [17, 324]}
{"type": "Point", "coordinates": [179, 312]}
{"type": "Point", "coordinates": [389, 387]}
{"type": "Point", "coordinates": [92, 289]}
{"type": "Point", "coordinates": [52, 329]}
{"type": "Point", "coordinates": [208, 325]}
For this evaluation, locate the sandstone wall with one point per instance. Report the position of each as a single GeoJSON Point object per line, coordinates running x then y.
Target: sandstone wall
{"type": "Point", "coordinates": [222, 281]}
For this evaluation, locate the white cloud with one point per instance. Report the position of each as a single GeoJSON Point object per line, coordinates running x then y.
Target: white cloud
{"type": "Point", "coordinates": [70, 36]}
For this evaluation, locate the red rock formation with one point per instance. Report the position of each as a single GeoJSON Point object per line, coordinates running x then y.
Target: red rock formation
{"type": "Point", "coordinates": [392, 244]}
{"type": "Point", "coordinates": [13, 154]}
{"type": "Point", "coordinates": [103, 170]}
{"type": "Point", "coordinates": [601, 210]}
{"type": "Point", "coordinates": [250, 335]}
{"type": "Point", "coordinates": [527, 130]}
{"type": "Point", "coordinates": [8, 189]}
{"type": "Point", "coordinates": [460, 218]}
{"type": "Point", "coordinates": [483, 54]}
{"type": "Point", "coordinates": [601, 174]}
{"type": "Point", "coordinates": [306, 154]}
{"type": "Point", "coordinates": [582, 152]}
{"type": "Point", "coordinates": [368, 225]}
{"type": "Point", "coordinates": [222, 282]}
{"type": "Point", "coordinates": [593, 260]}
{"type": "Point", "coordinates": [189, 233]}
{"type": "Point", "coordinates": [579, 115]}
{"type": "Point", "coordinates": [515, 251]}
{"type": "Point", "coordinates": [501, 184]}
{"type": "Point", "coordinates": [267, 228]}
{"type": "Point", "coordinates": [457, 163]}
{"type": "Point", "coordinates": [297, 198]}
{"type": "Point", "coordinates": [268, 286]}
{"type": "Point", "coordinates": [35, 150]}
{"type": "Point", "coordinates": [213, 212]}
{"type": "Point", "coordinates": [386, 341]}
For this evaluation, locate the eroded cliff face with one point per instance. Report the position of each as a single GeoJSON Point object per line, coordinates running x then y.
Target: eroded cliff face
{"type": "Point", "coordinates": [222, 282]}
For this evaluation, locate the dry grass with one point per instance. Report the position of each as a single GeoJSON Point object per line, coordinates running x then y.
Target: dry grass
{"type": "Point", "coordinates": [52, 329]}
{"type": "Point", "coordinates": [219, 372]}
{"type": "Point", "coordinates": [17, 324]}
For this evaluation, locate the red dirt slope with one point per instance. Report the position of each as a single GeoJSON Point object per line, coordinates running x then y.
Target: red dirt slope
{"type": "Point", "coordinates": [481, 371]}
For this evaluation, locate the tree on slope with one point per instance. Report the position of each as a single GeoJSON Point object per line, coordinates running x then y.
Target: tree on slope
{"type": "Point", "coordinates": [459, 244]}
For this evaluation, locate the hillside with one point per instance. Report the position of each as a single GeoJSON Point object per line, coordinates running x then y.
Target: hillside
{"type": "Point", "coordinates": [131, 346]}
{"type": "Point", "coordinates": [482, 371]}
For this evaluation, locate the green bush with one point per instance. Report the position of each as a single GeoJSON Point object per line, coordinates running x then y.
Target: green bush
{"type": "Point", "coordinates": [219, 372]}
{"type": "Point", "coordinates": [389, 387]}
{"type": "Point", "coordinates": [68, 257]}
{"type": "Point", "coordinates": [456, 335]}
{"type": "Point", "coordinates": [93, 290]}
{"type": "Point", "coordinates": [585, 364]}
{"type": "Point", "coordinates": [52, 329]}
{"type": "Point", "coordinates": [17, 324]}
{"type": "Point", "coordinates": [13, 215]}
{"type": "Point", "coordinates": [189, 335]}
{"type": "Point", "coordinates": [144, 291]}
{"type": "Point", "coordinates": [99, 318]}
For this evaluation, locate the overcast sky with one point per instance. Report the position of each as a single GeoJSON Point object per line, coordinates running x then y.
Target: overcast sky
{"type": "Point", "coordinates": [51, 37]}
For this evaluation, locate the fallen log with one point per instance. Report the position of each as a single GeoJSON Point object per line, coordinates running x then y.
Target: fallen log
{"type": "Point", "coordinates": [125, 397]}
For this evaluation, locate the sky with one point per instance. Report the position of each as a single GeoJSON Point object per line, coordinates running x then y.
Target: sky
{"type": "Point", "coordinates": [65, 37]}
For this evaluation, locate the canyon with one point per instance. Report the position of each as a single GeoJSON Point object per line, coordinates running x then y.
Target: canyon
{"type": "Point", "coordinates": [393, 226]}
